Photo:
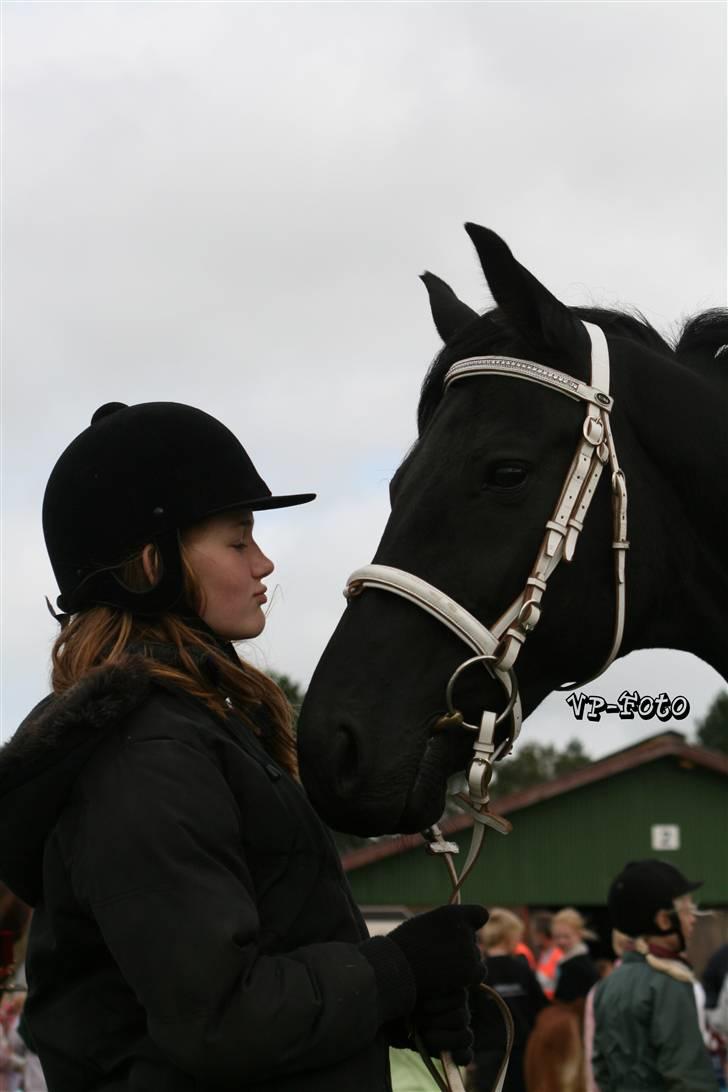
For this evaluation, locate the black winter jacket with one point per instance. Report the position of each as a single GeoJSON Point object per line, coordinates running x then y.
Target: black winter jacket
{"type": "Point", "coordinates": [575, 975]}
{"type": "Point", "coordinates": [513, 979]}
{"type": "Point", "coordinates": [193, 930]}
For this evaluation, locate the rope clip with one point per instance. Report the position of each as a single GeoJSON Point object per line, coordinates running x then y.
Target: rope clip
{"type": "Point", "coordinates": [436, 844]}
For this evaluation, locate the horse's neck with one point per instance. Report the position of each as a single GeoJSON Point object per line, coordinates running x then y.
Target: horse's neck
{"type": "Point", "coordinates": [692, 611]}
{"type": "Point", "coordinates": [681, 427]}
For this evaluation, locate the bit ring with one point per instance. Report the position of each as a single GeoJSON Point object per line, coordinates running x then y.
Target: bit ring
{"type": "Point", "coordinates": [486, 661]}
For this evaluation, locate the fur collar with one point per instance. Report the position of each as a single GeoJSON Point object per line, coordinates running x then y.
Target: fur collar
{"type": "Point", "coordinates": [60, 723]}
{"type": "Point", "coordinates": [577, 950]}
{"type": "Point", "coordinates": [41, 761]}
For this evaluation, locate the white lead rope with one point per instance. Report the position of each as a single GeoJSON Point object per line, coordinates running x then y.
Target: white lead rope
{"type": "Point", "coordinates": [479, 774]}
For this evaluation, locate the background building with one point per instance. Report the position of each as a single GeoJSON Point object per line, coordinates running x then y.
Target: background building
{"type": "Point", "coordinates": [661, 798]}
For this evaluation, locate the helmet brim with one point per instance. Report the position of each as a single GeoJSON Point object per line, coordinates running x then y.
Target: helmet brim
{"type": "Point", "coordinates": [262, 504]}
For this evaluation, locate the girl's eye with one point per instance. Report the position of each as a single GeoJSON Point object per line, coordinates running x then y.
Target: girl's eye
{"type": "Point", "coordinates": [505, 475]}
{"type": "Point", "coordinates": [240, 545]}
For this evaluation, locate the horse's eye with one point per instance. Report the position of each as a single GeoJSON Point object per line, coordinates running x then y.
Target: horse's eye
{"type": "Point", "coordinates": [505, 475]}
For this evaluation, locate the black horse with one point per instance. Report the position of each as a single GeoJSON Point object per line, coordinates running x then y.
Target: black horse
{"type": "Point", "coordinates": [469, 505]}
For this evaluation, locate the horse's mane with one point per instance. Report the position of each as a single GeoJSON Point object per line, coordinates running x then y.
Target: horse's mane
{"type": "Point", "coordinates": [701, 339]}
{"type": "Point", "coordinates": [704, 338]}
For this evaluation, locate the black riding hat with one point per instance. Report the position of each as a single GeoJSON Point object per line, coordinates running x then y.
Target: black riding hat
{"type": "Point", "coordinates": [141, 474]}
{"type": "Point", "coordinates": [641, 889]}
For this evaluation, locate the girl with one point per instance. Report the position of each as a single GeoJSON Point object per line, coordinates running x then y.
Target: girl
{"type": "Point", "coordinates": [576, 972]}
{"type": "Point", "coordinates": [193, 928]}
{"type": "Point", "coordinates": [511, 977]}
{"type": "Point", "coordinates": [647, 1036]}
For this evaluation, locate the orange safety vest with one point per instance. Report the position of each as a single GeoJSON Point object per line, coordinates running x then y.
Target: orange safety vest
{"type": "Point", "coordinates": [546, 970]}
{"type": "Point", "coordinates": [523, 950]}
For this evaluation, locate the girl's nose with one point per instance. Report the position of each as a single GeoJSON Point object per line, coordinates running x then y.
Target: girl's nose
{"type": "Point", "coordinates": [264, 566]}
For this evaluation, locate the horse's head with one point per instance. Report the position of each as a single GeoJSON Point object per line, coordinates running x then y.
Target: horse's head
{"type": "Point", "coordinates": [470, 505]}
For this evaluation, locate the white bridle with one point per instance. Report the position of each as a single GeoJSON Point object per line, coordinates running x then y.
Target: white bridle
{"type": "Point", "coordinates": [498, 647]}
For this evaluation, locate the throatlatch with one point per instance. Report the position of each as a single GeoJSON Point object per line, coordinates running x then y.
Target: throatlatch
{"type": "Point", "coordinates": [497, 648]}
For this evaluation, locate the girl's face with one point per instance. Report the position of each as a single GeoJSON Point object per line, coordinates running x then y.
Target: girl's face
{"type": "Point", "coordinates": [565, 937]}
{"type": "Point", "coordinates": [687, 913]}
{"type": "Point", "coordinates": [230, 567]}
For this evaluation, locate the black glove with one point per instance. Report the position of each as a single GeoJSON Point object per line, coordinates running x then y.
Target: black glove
{"type": "Point", "coordinates": [441, 950]}
{"type": "Point", "coordinates": [443, 1023]}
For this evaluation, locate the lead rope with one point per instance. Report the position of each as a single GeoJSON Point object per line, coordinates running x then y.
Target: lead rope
{"type": "Point", "coordinates": [476, 804]}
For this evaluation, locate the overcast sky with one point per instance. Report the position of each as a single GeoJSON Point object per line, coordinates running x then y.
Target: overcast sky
{"type": "Point", "coordinates": [229, 204]}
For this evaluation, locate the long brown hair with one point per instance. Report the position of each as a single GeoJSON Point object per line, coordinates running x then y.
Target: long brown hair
{"type": "Point", "coordinates": [102, 636]}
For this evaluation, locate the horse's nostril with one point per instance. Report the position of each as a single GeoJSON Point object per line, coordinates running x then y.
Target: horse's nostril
{"type": "Point", "coordinates": [347, 761]}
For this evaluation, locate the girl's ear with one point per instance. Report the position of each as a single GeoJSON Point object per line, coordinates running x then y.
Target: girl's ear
{"type": "Point", "coordinates": [663, 920]}
{"type": "Point", "coordinates": [150, 562]}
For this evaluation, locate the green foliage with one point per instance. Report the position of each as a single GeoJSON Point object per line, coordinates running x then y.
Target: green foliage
{"type": "Point", "coordinates": [712, 730]}
{"type": "Point", "coordinates": [534, 763]}
{"type": "Point", "coordinates": [293, 691]}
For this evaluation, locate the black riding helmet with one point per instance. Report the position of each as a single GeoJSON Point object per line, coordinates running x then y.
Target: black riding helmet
{"type": "Point", "coordinates": [640, 890]}
{"type": "Point", "coordinates": [141, 474]}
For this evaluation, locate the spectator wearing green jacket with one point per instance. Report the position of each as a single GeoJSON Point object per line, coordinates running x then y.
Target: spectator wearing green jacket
{"type": "Point", "coordinates": [647, 1037]}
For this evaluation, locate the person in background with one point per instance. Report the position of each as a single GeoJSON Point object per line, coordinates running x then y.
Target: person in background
{"type": "Point", "coordinates": [555, 1052]}
{"type": "Point", "coordinates": [714, 976]}
{"type": "Point", "coordinates": [576, 972]}
{"type": "Point", "coordinates": [715, 984]}
{"type": "Point", "coordinates": [522, 950]}
{"type": "Point", "coordinates": [646, 1033]}
{"type": "Point", "coordinates": [12, 1048]}
{"type": "Point", "coordinates": [511, 977]}
{"type": "Point", "coordinates": [718, 1028]}
{"type": "Point", "coordinates": [621, 943]}
{"type": "Point", "coordinates": [33, 1078]}
{"type": "Point", "coordinates": [548, 954]}
{"type": "Point", "coordinates": [12, 1061]}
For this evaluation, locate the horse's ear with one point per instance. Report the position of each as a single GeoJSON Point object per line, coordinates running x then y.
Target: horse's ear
{"type": "Point", "coordinates": [450, 313]}
{"type": "Point", "coordinates": [526, 304]}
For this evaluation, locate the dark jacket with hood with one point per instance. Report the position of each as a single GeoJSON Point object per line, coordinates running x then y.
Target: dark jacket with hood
{"type": "Point", "coordinates": [193, 929]}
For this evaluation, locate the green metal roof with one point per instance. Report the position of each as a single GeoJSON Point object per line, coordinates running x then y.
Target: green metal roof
{"type": "Point", "coordinates": [572, 836]}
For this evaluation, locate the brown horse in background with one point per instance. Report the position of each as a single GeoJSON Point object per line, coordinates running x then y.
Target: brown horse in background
{"type": "Point", "coordinates": [554, 1059]}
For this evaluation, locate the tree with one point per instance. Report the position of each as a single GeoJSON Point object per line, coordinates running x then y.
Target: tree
{"type": "Point", "coordinates": [293, 691]}
{"type": "Point", "coordinates": [712, 730]}
{"type": "Point", "coordinates": [534, 763]}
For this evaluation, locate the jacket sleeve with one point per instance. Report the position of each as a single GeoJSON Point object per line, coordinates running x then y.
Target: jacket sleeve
{"type": "Point", "coordinates": [159, 861]}
{"type": "Point", "coordinates": [600, 1069]}
{"type": "Point", "coordinates": [680, 1055]}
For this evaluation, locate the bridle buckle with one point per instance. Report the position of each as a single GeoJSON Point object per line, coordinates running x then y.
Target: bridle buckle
{"type": "Point", "coordinates": [529, 615]}
{"type": "Point", "coordinates": [593, 430]}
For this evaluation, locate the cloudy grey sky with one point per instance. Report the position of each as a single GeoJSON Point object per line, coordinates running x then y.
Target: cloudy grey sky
{"type": "Point", "coordinates": [228, 204]}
